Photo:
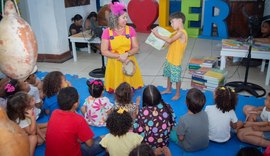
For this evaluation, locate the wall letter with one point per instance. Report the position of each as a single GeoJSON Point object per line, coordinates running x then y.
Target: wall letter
{"type": "Point", "coordinates": [186, 9]}
{"type": "Point", "coordinates": [210, 19]}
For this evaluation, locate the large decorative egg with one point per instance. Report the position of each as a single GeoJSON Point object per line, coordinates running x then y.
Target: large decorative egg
{"type": "Point", "coordinates": [18, 45]}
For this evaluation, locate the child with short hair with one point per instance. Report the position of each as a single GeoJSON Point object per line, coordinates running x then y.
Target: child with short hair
{"type": "Point", "coordinates": [52, 84]}
{"type": "Point", "coordinates": [96, 107]}
{"type": "Point", "coordinates": [119, 142]}
{"type": "Point", "coordinates": [67, 129]}
{"type": "Point", "coordinates": [123, 99]}
{"type": "Point", "coordinates": [177, 46]}
{"type": "Point", "coordinates": [159, 114]}
{"type": "Point", "coordinates": [20, 110]}
{"type": "Point", "coordinates": [221, 116]}
{"type": "Point", "coordinates": [192, 129]}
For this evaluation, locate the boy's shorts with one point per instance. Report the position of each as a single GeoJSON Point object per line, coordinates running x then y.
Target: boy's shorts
{"type": "Point", "coordinates": [172, 71]}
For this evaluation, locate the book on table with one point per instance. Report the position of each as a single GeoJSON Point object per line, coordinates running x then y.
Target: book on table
{"type": "Point", "coordinates": [156, 42]}
{"type": "Point", "coordinates": [234, 44]}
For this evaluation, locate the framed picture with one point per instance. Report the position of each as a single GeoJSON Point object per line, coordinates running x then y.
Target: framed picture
{"type": "Point", "coordinates": [73, 3]}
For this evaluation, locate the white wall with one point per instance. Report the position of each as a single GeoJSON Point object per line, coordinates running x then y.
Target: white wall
{"type": "Point", "coordinates": [50, 21]}
{"type": "Point", "coordinates": [266, 8]}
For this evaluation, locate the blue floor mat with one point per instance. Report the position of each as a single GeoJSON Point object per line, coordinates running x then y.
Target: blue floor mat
{"type": "Point", "coordinates": [229, 148]}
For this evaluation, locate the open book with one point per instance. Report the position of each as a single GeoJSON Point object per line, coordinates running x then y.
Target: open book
{"type": "Point", "coordinates": [156, 42]}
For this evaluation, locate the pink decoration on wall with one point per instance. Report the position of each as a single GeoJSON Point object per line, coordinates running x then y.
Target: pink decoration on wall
{"type": "Point", "coordinates": [143, 13]}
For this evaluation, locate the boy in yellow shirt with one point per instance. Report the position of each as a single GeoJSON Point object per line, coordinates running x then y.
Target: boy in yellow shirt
{"type": "Point", "coordinates": [177, 46]}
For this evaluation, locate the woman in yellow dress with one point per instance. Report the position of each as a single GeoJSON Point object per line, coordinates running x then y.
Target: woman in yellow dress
{"type": "Point", "coordinates": [119, 44]}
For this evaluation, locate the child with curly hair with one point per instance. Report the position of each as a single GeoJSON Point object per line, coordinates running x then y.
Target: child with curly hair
{"type": "Point", "coordinates": [155, 115]}
{"type": "Point", "coordinates": [120, 142]}
{"type": "Point", "coordinates": [221, 116]}
{"type": "Point", "coordinates": [52, 83]}
{"type": "Point", "coordinates": [96, 107]}
{"type": "Point", "coordinates": [123, 99]}
{"type": "Point", "coordinates": [20, 110]}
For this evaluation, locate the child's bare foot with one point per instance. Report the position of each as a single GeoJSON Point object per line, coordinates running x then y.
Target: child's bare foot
{"type": "Point", "coordinates": [167, 91]}
{"type": "Point", "coordinates": [176, 97]}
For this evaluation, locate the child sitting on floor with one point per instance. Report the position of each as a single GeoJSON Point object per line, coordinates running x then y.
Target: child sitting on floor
{"type": "Point", "coordinates": [123, 99]}
{"type": "Point", "coordinates": [10, 87]}
{"type": "Point", "coordinates": [36, 82]}
{"type": "Point", "coordinates": [68, 133]}
{"type": "Point", "coordinates": [155, 115]}
{"type": "Point", "coordinates": [192, 129]}
{"type": "Point", "coordinates": [222, 116]}
{"type": "Point", "coordinates": [96, 107]}
{"type": "Point", "coordinates": [256, 130]}
{"type": "Point", "coordinates": [52, 83]}
{"type": "Point", "coordinates": [20, 110]}
{"type": "Point", "coordinates": [261, 113]}
{"type": "Point", "coordinates": [119, 142]}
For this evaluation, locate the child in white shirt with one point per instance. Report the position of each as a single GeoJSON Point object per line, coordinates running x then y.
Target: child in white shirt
{"type": "Point", "coordinates": [222, 116]}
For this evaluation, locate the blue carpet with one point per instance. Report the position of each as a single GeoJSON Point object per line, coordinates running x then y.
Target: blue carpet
{"type": "Point", "coordinates": [229, 148]}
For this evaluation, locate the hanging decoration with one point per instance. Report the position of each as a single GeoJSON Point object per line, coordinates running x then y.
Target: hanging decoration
{"type": "Point", "coordinates": [18, 45]}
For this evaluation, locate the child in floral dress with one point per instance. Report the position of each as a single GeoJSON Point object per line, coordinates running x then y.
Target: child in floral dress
{"type": "Point", "coordinates": [96, 107]}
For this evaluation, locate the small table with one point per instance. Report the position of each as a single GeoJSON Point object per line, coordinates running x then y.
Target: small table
{"type": "Point", "coordinates": [82, 37]}
{"type": "Point", "coordinates": [237, 49]}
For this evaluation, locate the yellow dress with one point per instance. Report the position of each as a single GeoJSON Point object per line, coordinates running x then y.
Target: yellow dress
{"type": "Point", "coordinates": [114, 75]}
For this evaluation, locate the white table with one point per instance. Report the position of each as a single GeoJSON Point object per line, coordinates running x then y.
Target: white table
{"type": "Point", "coordinates": [265, 55]}
{"type": "Point", "coordinates": [84, 37]}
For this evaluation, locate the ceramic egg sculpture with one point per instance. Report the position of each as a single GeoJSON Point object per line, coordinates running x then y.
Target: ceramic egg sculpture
{"type": "Point", "coordinates": [18, 45]}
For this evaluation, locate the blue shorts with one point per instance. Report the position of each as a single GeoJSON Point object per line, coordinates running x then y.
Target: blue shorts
{"type": "Point", "coordinates": [173, 72]}
{"type": "Point", "coordinates": [266, 135]}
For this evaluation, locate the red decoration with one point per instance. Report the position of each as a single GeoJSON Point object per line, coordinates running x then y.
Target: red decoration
{"type": "Point", "coordinates": [143, 13]}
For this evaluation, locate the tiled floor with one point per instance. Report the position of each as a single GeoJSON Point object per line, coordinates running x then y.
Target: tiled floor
{"type": "Point", "coordinates": [151, 60]}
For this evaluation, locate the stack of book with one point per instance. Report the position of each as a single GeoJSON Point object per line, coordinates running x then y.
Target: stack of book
{"type": "Point", "coordinates": [208, 78]}
{"type": "Point", "coordinates": [196, 63]}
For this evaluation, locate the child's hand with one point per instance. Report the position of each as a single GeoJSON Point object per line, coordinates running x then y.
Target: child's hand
{"type": "Point", "coordinates": [68, 84]}
{"type": "Point", "coordinates": [248, 124]}
{"type": "Point", "coordinates": [30, 113]}
{"type": "Point", "coordinates": [138, 99]}
{"type": "Point", "coordinates": [256, 128]}
{"type": "Point", "coordinates": [166, 151]}
{"type": "Point", "coordinates": [155, 31]}
{"type": "Point", "coordinates": [239, 125]}
{"type": "Point", "coordinates": [158, 151]}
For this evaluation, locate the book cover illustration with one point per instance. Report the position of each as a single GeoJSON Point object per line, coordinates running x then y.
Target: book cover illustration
{"type": "Point", "coordinates": [156, 42]}
{"type": "Point", "coordinates": [261, 47]}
